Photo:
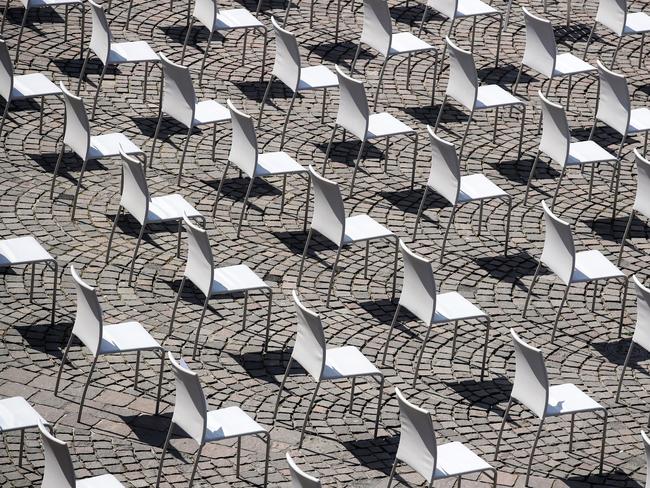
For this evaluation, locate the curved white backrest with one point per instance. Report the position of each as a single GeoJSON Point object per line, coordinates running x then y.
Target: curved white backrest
{"type": "Point", "coordinates": [100, 39]}
{"type": "Point", "coordinates": [310, 346]}
{"type": "Point", "coordinates": [353, 113]}
{"type": "Point", "coordinates": [58, 471]}
{"type": "Point", "coordinates": [531, 381]}
{"type": "Point", "coordinates": [419, 286]}
{"type": "Point", "coordinates": [559, 254]}
{"type": "Point", "coordinates": [179, 98]}
{"type": "Point", "coordinates": [88, 322]}
{"type": "Point", "coordinates": [444, 175]}
{"type": "Point", "coordinates": [135, 192]}
{"type": "Point", "coordinates": [614, 104]}
{"type": "Point", "coordinates": [463, 80]}
{"type": "Point", "coordinates": [417, 441]}
{"type": "Point", "coordinates": [328, 217]}
{"type": "Point", "coordinates": [206, 12]}
{"type": "Point", "coordinates": [287, 57]}
{"type": "Point", "coordinates": [556, 135]}
{"type": "Point", "coordinates": [446, 7]}
{"type": "Point", "coordinates": [612, 14]}
{"type": "Point", "coordinates": [540, 51]}
{"type": "Point", "coordinates": [6, 72]}
{"type": "Point", "coordinates": [642, 327]}
{"type": "Point", "coordinates": [646, 445]}
{"type": "Point", "coordinates": [77, 127]}
{"type": "Point", "coordinates": [300, 479]}
{"type": "Point", "coordinates": [642, 199]}
{"type": "Point", "coordinates": [377, 26]}
{"type": "Point", "coordinates": [199, 268]}
{"type": "Point", "coordinates": [190, 407]}
{"type": "Point", "coordinates": [243, 148]}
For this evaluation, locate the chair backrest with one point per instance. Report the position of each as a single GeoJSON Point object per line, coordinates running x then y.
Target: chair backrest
{"type": "Point", "coordinates": [417, 441]}
{"type": "Point", "coordinates": [300, 479]}
{"type": "Point", "coordinates": [178, 97]}
{"type": "Point", "coordinates": [463, 80]}
{"type": "Point", "coordinates": [206, 12]}
{"type": "Point", "coordinates": [353, 113]}
{"type": "Point", "coordinates": [531, 385]}
{"type": "Point", "coordinates": [642, 199]}
{"type": "Point", "coordinates": [310, 346]}
{"type": "Point", "coordinates": [243, 148]}
{"type": "Point", "coordinates": [556, 135]}
{"type": "Point", "coordinates": [101, 37]}
{"type": "Point", "coordinates": [135, 191]}
{"type": "Point", "coordinates": [88, 322]}
{"type": "Point", "coordinates": [58, 471]}
{"type": "Point", "coordinates": [559, 254]}
{"type": "Point", "coordinates": [646, 445]}
{"type": "Point", "coordinates": [642, 327]}
{"type": "Point", "coordinates": [612, 14]}
{"type": "Point", "coordinates": [614, 106]}
{"type": "Point", "coordinates": [444, 175]}
{"type": "Point", "coordinates": [6, 72]}
{"type": "Point", "coordinates": [419, 286]}
{"type": "Point", "coordinates": [199, 267]}
{"type": "Point", "coordinates": [328, 217]}
{"type": "Point", "coordinates": [287, 57]}
{"type": "Point", "coordinates": [446, 7]}
{"type": "Point", "coordinates": [190, 406]}
{"type": "Point", "coordinates": [77, 127]}
{"type": "Point", "coordinates": [377, 26]}
{"type": "Point", "coordinates": [540, 51]}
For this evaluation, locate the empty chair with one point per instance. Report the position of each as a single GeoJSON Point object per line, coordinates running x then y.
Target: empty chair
{"type": "Point", "coordinates": [560, 257]}
{"type": "Point", "coordinates": [16, 414]}
{"type": "Point", "coordinates": [245, 155]}
{"type": "Point", "coordinates": [419, 449]}
{"type": "Point", "coordinates": [532, 389]}
{"type": "Point", "coordinates": [178, 101]}
{"type": "Point", "coordinates": [329, 220]}
{"type": "Point", "coordinates": [104, 340]}
{"type": "Point", "coordinates": [378, 34]}
{"type": "Point", "coordinates": [191, 414]}
{"type": "Point", "coordinates": [300, 479]}
{"type": "Point", "coordinates": [148, 210]}
{"type": "Point", "coordinates": [326, 364]}
{"type": "Point", "coordinates": [76, 135]}
{"type": "Point", "coordinates": [463, 86]}
{"type": "Point", "coordinates": [445, 179]}
{"type": "Point", "coordinates": [354, 116]}
{"type": "Point", "coordinates": [289, 70]}
{"type": "Point", "coordinates": [112, 53]}
{"type": "Point", "coordinates": [642, 198]}
{"type": "Point", "coordinates": [211, 281]}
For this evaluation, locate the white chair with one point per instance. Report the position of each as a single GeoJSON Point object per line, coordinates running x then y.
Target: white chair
{"type": "Point", "coordinates": [354, 116]}
{"type": "Point", "coordinates": [289, 70]}
{"type": "Point", "coordinates": [378, 34]}
{"type": "Point", "coordinates": [77, 136]}
{"type": "Point", "coordinates": [532, 389]}
{"type": "Point", "coordinates": [445, 179]}
{"type": "Point", "coordinates": [178, 101]}
{"type": "Point", "coordinates": [560, 257]}
{"type": "Point", "coordinates": [208, 14]}
{"type": "Point", "coordinates": [646, 445]}
{"type": "Point", "coordinates": [104, 340]}
{"type": "Point", "coordinates": [16, 414]}
{"type": "Point", "coordinates": [147, 210]}
{"type": "Point", "coordinates": [300, 479]}
{"type": "Point", "coordinates": [613, 15]}
{"type": "Point", "coordinates": [191, 414]}
{"type": "Point", "coordinates": [58, 471]}
{"type": "Point", "coordinates": [112, 53]}
{"type": "Point", "coordinates": [245, 155]}
{"type": "Point", "coordinates": [211, 281]}
{"type": "Point", "coordinates": [463, 86]}
{"type": "Point", "coordinates": [326, 364]}
{"type": "Point", "coordinates": [22, 87]}
{"type": "Point", "coordinates": [642, 198]}
{"type": "Point", "coordinates": [330, 221]}
{"type": "Point", "coordinates": [419, 449]}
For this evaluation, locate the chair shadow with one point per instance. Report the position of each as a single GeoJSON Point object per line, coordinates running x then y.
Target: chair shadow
{"type": "Point", "coordinates": [511, 268]}
{"type": "Point", "coordinates": [72, 68]}
{"type": "Point", "coordinates": [168, 128]}
{"type": "Point", "coordinates": [235, 188]}
{"type": "Point", "coordinates": [254, 90]}
{"type": "Point", "coordinates": [340, 53]}
{"type": "Point", "coordinates": [39, 336]}
{"type": "Point", "coordinates": [294, 241]}
{"type": "Point", "coordinates": [267, 366]}
{"type": "Point", "coordinates": [129, 227]}
{"type": "Point", "coordinates": [612, 230]}
{"type": "Point", "coordinates": [616, 351]}
{"type": "Point", "coordinates": [68, 166]}
{"type": "Point", "coordinates": [147, 428]}
{"type": "Point", "coordinates": [487, 394]}
{"type": "Point", "coordinates": [450, 114]}
{"type": "Point", "coordinates": [616, 477]}
{"type": "Point", "coordinates": [345, 152]}
{"type": "Point", "coordinates": [504, 74]}
{"type": "Point", "coordinates": [387, 445]}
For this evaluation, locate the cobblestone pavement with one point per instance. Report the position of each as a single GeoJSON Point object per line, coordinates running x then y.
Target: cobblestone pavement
{"type": "Point", "coordinates": [120, 433]}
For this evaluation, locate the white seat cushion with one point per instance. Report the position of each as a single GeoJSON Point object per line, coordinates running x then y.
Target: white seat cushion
{"type": "Point", "coordinates": [454, 306]}
{"type": "Point", "coordinates": [17, 414]}
{"type": "Point", "coordinates": [568, 398]}
{"type": "Point", "coordinates": [230, 279]}
{"type": "Point", "coordinates": [22, 250]}
{"type": "Point", "coordinates": [210, 112]}
{"type": "Point", "coordinates": [108, 145]}
{"type": "Point", "coordinates": [315, 77]}
{"type": "Point", "coordinates": [639, 120]}
{"type": "Point", "coordinates": [454, 459]}
{"type": "Point", "coordinates": [469, 8]}
{"type": "Point", "coordinates": [384, 124]}
{"type": "Point", "coordinates": [33, 85]}
{"type": "Point", "coordinates": [346, 362]}
{"type": "Point", "coordinates": [170, 207]}
{"type": "Point", "coordinates": [103, 481]}
{"type": "Point", "coordinates": [131, 52]}
{"type": "Point", "coordinates": [592, 265]}
{"type": "Point", "coordinates": [362, 228]}
{"type": "Point", "coordinates": [230, 422]}
{"type": "Point", "coordinates": [637, 23]}
{"type": "Point", "coordinates": [568, 64]}
{"type": "Point", "coordinates": [489, 96]}
{"type": "Point", "coordinates": [584, 152]}
{"type": "Point", "coordinates": [239, 18]}
{"type": "Point", "coordinates": [125, 337]}
{"type": "Point", "coordinates": [277, 163]}
{"type": "Point", "coordinates": [478, 187]}
{"type": "Point", "coordinates": [405, 42]}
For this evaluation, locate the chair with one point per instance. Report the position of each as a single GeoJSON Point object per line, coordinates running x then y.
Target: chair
{"type": "Point", "coordinates": [445, 179]}
{"type": "Point", "coordinates": [463, 86]}
{"type": "Point", "coordinates": [211, 281]}
{"type": "Point", "coordinates": [16, 414]}
{"type": "Point", "coordinates": [244, 153]}
{"type": "Point", "coordinates": [192, 416]}
{"type": "Point", "coordinates": [289, 70]}
{"type": "Point", "coordinates": [419, 449]}
{"type": "Point", "coordinates": [613, 15]}
{"type": "Point", "coordinates": [178, 101]}
{"type": "Point", "coordinates": [22, 87]}
{"type": "Point", "coordinates": [642, 199]}
{"type": "Point", "coordinates": [326, 364]}
{"type": "Point", "coordinates": [531, 388]}
{"type": "Point", "coordinates": [354, 116]}
{"type": "Point", "coordinates": [136, 200]}
{"type": "Point", "coordinates": [104, 340]}
{"type": "Point", "coordinates": [77, 136]}
{"type": "Point", "coordinates": [329, 220]}
{"type": "Point", "coordinates": [300, 479]}
{"type": "Point", "coordinates": [378, 34]}
{"type": "Point", "coordinates": [646, 445]}
{"type": "Point", "coordinates": [208, 13]}
{"type": "Point", "coordinates": [560, 257]}
{"type": "Point", "coordinates": [114, 53]}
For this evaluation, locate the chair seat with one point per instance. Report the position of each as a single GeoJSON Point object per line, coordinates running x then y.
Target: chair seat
{"type": "Point", "coordinates": [405, 42]}
{"type": "Point", "coordinates": [131, 52]}
{"type": "Point", "coordinates": [585, 152]}
{"type": "Point", "coordinates": [230, 279]}
{"type": "Point", "coordinates": [471, 8]}
{"type": "Point", "coordinates": [277, 163]}
{"type": "Point", "coordinates": [17, 414]}
{"type": "Point", "coordinates": [639, 120]}
{"type": "Point", "coordinates": [210, 112]}
{"type": "Point", "coordinates": [593, 265]}
{"type": "Point", "coordinates": [490, 96]}
{"type": "Point", "coordinates": [170, 207]}
{"type": "Point", "coordinates": [33, 85]}
{"type": "Point", "coordinates": [637, 23]}
{"type": "Point", "coordinates": [363, 228]}
{"type": "Point", "coordinates": [316, 77]}
{"type": "Point", "coordinates": [230, 422]}
{"type": "Point", "coordinates": [22, 250]}
{"type": "Point", "coordinates": [568, 64]}
{"type": "Point", "coordinates": [384, 124]}
{"type": "Point", "coordinates": [454, 459]}
{"type": "Point", "coordinates": [454, 306]}
{"type": "Point", "coordinates": [238, 18]}
{"type": "Point", "coordinates": [478, 187]}
{"type": "Point", "coordinates": [108, 145]}
{"type": "Point", "coordinates": [49, 3]}
{"type": "Point", "coordinates": [347, 362]}
{"type": "Point", "coordinates": [103, 481]}
{"type": "Point", "coordinates": [126, 337]}
{"type": "Point", "coordinates": [568, 398]}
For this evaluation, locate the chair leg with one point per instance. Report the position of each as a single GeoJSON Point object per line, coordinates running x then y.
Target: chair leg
{"type": "Point", "coordinates": [390, 333]}
{"type": "Point", "coordinates": [286, 120]}
{"type": "Point", "coordinates": [302, 259]}
{"type": "Point", "coordinates": [616, 175]}
{"type": "Point", "coordinates": [620, 322]}
{"type": "Point", "coordinates": [620, 381]}
{"type": "Point", "coordinates": [243, 209]}
{"type": "Point", "coordinates": [223, 177]}
{"type": "Point", "coordinates": [164, 451]}
{"type": "Point", "coordinates": [530, 176]}
{"type": "Point", "coordinates": [99, 85]}
{"type": "Point", "coordinates": [187, 38]}
{"type": "Point", "coordinates": [268, 321]}
{"type": "Point", "coordinates": [444, 240]}
{"type": "Point", "coordinates": [618, 46]}
{"type": "Point", "coordinates": [395, 259]}
{"type": "Point", "coordinates": [627, 230]}
{"type": "Point", "coordinates": [76, 193]}
{"type": "Point", "coordinates": [557, 188]}
{"type": "Point", "coordinates": [195, 466]}
{"type": "Point", "coordinates": [488, 323]}
{"type": "Point", "coordinates": [559, 311]}
{"type": "Point", "coordinates": [530, 289]}
{"type": "Point", "coordinates": [462, 144]}
{"type": "Point", "coordinates": [602, 446]}
{"type": "Point", "coordinates": [266, 95]}
{"type": "Point", "coordinates": [392, 473]}
{"type": "Point", "coordinates": [532, 451]}
{"type": "Point", "coordinates": [55, 269]}
{"type": "Point", "coordinates": [333, 276]}
{"type": "Point", "coordinates": [503, 423]}
{"type": "Point", "coordinates": [591, 34]}
{"type": "Point", "coordinates": [505, 245]}
{"type": "Point", "coordinates": [311, 405]}
{"type": "Point", "coordinates": [381, 77]}
{"type": "Point", "coordinates": [496, 61]}
{"type": "Point", "coordinates": [356, 167]}
{"type": "Point", "coordinates": [379, 397]}
{"type": "Point", "coordinates": [155, 135]}
{"type": "Point", "coordinates": [415, 156]}
{"type": "Point", "coordinates": [354, 59]}
{"type": "Point", "coordinates": [63, 360]}
{"type": "Point", "coordinates": [4, 16]}
{"type": "Point", "coordinates": [178, 296]}
{"type": "Point", "coordinates": [4, 116]}
{"type": "Point", "coordinates": [329, 147]}
{"type": "Point", "coordinates": [419, 361]}
{"type": "Point", "coordinates": [135, 253]}
{"type": "Point", "coordinates": [85, 390]}
{"type": "Point", "coordinates": [83, 70]}
{"type": "Point", "coordinates": [198, 327]}
{"type": "Point", "coordinates": [20, 35]}
{"type": "Point", "coordinates": [284, 380]}
{"type": "Point", "coordinates": [205, 56]}
{"type": "Point", "coordinates": [180, 167]}
{"type": "Point", "coordinates": [521, 131]}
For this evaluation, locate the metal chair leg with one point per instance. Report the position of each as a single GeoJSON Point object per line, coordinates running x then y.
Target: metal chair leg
{"type": "Point", "coordinates": [444, 240]}
{"type": "Point", "coordinates": [195, 466]}
{"type": "Point", "coordinates": [243, 209]}
{"type": "Point", "coordinates": [198, 327]}
{"type": "Point", "coordinates": [178, 296]}
{"type": "Point", "coordinates": [76, 193]}
{"type": "Point", "coordinates": [135, 253]}
{"type": "Point", "coordinates": [180, 167]}
{"type": "Point", "coordinates": [223, 177]}
{"type": "Point", "coordinates": [286, 120]}
{"type": "Point", "coordinates": [284, 380]}
{"type": "Point", "coordinates": [532, 451]}
{"type": "Point", "coordinates": [329, 147]}
{"type": "Point", "coordinates": [302, 259]}
{"type": "Point", "coordinates": [530, 289]}
{"type": "Point", "coordinates": [390, 333]}
{"type": "Point", "coordinates": [356, 167]}
{"type": "Point", "coordinates": [311, 405]}
{"type": "Point", "coordinates": [419, 360]}
{"type": "Point", "coordinates": [559, 312]}
{"type": "Point", "coordinates": [63, 360]}
{"type": "Point", "coordinates": [333, 276]}
{"type": "Point", "coordinates": [620, 381]}
{"type": "Point", "coordinates": [164, 451]}
{"type": "Point", "coordinates": [503, 423]}
{"type": "Point", "coordinates": [627, 230]}
{"type": "Point", "coordinates": [99, 85]}
{"type": "Point", "coordinates": [85, 390]}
